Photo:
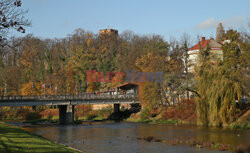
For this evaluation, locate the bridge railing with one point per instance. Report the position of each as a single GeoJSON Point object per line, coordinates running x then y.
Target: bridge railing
{"type": "Point", "coordinates": [85, 96]}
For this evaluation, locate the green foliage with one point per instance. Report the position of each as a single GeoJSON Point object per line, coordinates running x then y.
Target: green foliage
{"type": "Point", "coordinates": [90, 116]}
{"type": "Point", "coordinates": [150, 96]}
{"type": "Point", "coordinates": [220, 86]}
{"type": "Point", "coordinates": [105, 112]}
{"type": "Point", "coordinates": [145, 114]}
{"type": "Point", "coordinates": [239, 125]}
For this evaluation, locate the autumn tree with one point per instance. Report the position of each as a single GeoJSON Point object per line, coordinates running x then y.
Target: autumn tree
{"type": "Point", "coordinates": [220, 33]}
{"type": "Point", "coordinates": [220, 86]}
{"type": "Point", "coordinates": [150, 87]}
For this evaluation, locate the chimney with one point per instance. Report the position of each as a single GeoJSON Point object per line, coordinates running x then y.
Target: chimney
{"type": "Point", "coordinates": [203, 39]}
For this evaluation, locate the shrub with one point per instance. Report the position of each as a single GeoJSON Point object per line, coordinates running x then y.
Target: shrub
{"type": "Point", "coordinates": [90, 116]}
{"type": "Point", "coordinates": [145, 114]}
{"type": "Point", "coordinates": [105, 112]}
{"type": "Point", "coordinates": [32, 116]}
{"type": "Point", "coordinates": [82, 110]}
{"type": "Point", "coordinates": [186, 110]}
{"type": "Point", "coordinates": [50, 113]}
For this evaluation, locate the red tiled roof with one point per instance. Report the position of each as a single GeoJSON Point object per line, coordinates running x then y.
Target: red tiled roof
{"type": "Point", "coordinates": [201, 45]}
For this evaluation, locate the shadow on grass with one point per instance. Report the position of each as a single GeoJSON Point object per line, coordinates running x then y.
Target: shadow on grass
{"type": "Point", "coordinates": [13, 139]}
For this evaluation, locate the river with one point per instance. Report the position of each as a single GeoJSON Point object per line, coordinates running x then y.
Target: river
{"type": "Point", "coordinates": [121, 137]}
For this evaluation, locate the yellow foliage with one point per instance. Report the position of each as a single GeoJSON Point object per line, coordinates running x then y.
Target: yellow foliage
{"type": "Point", "coordinates": [88, 43]}
{"type": "Point", "coordinates": [150, 62]}
{"type": "Point", "coordinates": [37, 89]}
{"type": "Point", "coordinates": [92, 87]}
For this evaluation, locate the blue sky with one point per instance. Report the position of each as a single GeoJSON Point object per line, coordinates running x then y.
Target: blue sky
{"type": "Point", "coordinates": [57, 18]}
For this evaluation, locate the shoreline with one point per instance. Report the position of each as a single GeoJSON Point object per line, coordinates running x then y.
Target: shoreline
{"type": "Point", "coordinates": [15, 139]}
{"type": "Point", "coordinates": [192, 142]}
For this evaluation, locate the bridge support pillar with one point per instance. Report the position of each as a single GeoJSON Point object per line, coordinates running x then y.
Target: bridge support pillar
{"type": "Point", "coordinates": [116, 108]}
{"type": "Point", "coordinates": [66, 114]}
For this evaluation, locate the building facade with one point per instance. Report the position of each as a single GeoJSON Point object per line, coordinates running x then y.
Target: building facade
{"type": "Point", "coordinates": [215, 50]}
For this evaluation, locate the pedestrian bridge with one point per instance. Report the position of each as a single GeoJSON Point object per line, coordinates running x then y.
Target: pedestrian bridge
{"type": "Point", "coordinates": [66, 103]}
{"type": "Point", "coordinates": [40, 100]}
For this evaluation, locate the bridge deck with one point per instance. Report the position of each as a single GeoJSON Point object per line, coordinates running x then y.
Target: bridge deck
{"type": "Point", "coordinates": [37, 100]}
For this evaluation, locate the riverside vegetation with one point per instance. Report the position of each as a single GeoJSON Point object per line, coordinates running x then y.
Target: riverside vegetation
{"type": "Point", "coordinates": [60, 65]}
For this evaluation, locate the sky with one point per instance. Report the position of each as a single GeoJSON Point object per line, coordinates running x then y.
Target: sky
{"type": "Point", "coordinates": [168, 18]}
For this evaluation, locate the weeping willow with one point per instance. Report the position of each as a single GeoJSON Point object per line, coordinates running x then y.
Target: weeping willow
{"type": "Point", "coordinates": [223, 92]}
{"type": "Point", "coordinates": [218, 87]}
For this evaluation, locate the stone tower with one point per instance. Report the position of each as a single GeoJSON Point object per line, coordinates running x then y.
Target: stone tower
{"type": "Point", "coordinates": [220, 33]}
{"type": "Point", "coordinates": [108, 33]}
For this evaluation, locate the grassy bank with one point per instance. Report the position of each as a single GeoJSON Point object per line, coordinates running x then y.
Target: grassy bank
{"type": "Point", "coordinates": [157, 121]}
{"type": "Point", "coordinates": [14, 139]}
{"type": "Point", "coordinates": [243, 124]}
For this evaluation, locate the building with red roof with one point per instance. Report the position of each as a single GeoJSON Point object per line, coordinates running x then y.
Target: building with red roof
{"type": "Point", "coordinates": [215, 50]}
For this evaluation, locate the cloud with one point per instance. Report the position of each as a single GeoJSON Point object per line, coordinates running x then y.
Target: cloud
{"type": "Point", "coordinates": [207, 24]}
{"type": "Point", "coordinates": [211, 23]}
{"type": "Point", "coordinates": [234, 21]}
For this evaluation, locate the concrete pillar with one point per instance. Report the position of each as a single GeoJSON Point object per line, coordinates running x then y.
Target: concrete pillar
{"type": "Point", "coordinates": [116, 108]}
{"type": "Point", "coordinates": [66, 114]}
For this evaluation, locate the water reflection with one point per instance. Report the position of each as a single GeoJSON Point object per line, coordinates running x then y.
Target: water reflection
{"type": "Point", "coordinates": [112, 137]}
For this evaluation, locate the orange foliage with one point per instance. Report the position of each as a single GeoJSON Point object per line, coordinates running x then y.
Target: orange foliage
{"type": "Point", "coordinates": [50, 113]}
{"type": "Point", "coordinates": [37, 89]}
{"type": "Point", "coordinates": [27, 88]}
{"type": "Point", "coordinates": [80, 110]}
{"type": "Point", "coordinates": [186, 110]}
{"type": "Point", "coordinates": [92, 87]}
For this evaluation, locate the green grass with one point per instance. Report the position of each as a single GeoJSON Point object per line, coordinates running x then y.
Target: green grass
{"type": "Point", "coordinates": [240, 125]}
{"type": "Point", "coordinates": [153, 121]}
{"type": "Point", "coordinates": [172, 122]}
{"type": "Point", "coordinates": [13, 139]}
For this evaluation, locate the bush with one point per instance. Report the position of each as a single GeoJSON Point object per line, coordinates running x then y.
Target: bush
{"type": "Point", "coordinates": [49, 113]}
{"type": "Point", "coordinates": [186, 110]}
{"type": "Point", "coordinates": [105, 112]}
{"type": "Point", "coordinates": [90, 116]}
{"type": "Point", "coordinates": [15, 112]}
{"type": "Point", "coordinates": [82, 110]}
{"type": "Point", "coordinates": [32, 116]}
{"type": "Point", "coordinates": [239, 125]}
{"type": "Point", "coordinates": [145, 114]}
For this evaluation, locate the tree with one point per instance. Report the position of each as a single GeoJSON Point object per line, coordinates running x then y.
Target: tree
{"type": "Point", "coordinates": [220, 33]}
{"type": "Point", "coordinates": [11, 17]}
{"type": "Point", "coordinates": [185, 43]}
{"type": "Point", "coordinates": [174, 80]}
{"type": "Point", "coordinates": [219, 86]}
{"type": "Point", "coordinates": [150, 90]}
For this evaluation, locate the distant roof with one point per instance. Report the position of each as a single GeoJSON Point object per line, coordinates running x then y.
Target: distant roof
{"type": "Point", "coordinates": [201, 45]}
{"type": "Point", "coordinates": [127, 86]}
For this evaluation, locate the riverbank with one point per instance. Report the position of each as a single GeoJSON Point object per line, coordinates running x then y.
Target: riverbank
{"type": "Point", "coordinates": [14, 139]}
{"type": "Point", "coordinates": [113, 137]}
{"type": "Point", "coordinates": [185, 113]}
{"type": "Point", "coordinates": [245, 125]}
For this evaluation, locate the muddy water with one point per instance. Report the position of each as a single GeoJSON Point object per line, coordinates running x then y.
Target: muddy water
{"type": "Point", "coordinates": [121, 137]}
